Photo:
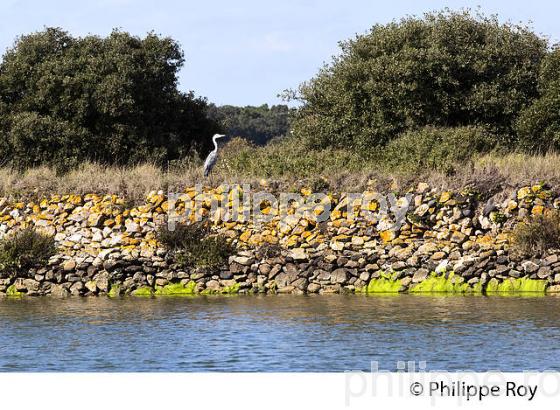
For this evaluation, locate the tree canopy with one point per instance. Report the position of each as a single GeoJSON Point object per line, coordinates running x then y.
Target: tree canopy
{"type": "Point", "coordinates": [539, 123]}
{"type": "Point", "coordinates": [447, 69]}
{"type": "Point", "coordinates": [64, 99]}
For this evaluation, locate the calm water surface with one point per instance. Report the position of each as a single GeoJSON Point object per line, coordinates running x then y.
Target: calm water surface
{"type": "Point", "coordinates": [279, 333]}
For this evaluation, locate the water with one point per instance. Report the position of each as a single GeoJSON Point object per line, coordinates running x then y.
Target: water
{"type": "Point", "coordinates": [279, 333]}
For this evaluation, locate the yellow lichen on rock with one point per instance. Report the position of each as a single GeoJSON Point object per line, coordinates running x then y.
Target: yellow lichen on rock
{"type": "Point", "coordinates": [387, 236]}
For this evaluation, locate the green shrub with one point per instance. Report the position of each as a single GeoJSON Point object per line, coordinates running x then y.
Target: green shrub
{"type": "Point", "coordinates": [539, 124]}
{"type": "Point", "coordinates": [194, 245]}
{"type": "Point", "coordinates": [438, 149]}
{"type": "Point", "coordinates": [537, 234]}
{"type": "Point", "coordinates": [447, 69]}
{"type": "Point", "coordinates": [109, 100]}
{"type": "Point", "coordinates": [285, 157]}
{"type": "Point", "coordinates": [24, 249]}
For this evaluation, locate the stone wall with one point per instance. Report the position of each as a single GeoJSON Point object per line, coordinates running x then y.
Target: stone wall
{"type": "Point", "coordinates": [448, 242]}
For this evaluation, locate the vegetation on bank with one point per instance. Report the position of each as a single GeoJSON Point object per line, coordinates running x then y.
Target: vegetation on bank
{"type": "Point", "coordinates": [272, 167]}
{"type": "Point", "coordinates": [194, 245]}
{"type": "Point", "coordinates": [24, 249]}
{"type": "Point", "coordinates": [449, 98]}
{"type": "Point", "coordinates": [537, 234]}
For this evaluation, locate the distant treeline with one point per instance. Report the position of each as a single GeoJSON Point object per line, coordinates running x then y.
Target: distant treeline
{"type": "Point", "coordinates": [256, 124]}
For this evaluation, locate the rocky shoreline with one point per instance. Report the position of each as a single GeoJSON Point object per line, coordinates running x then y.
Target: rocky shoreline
{"type": "Point", "coordinates": [449, 242]}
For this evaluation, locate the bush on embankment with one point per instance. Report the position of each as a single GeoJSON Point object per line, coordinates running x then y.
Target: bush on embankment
{"type": "Point", "coordinates": [537, 234]}
{"type": "Point", "coordinates": [416, 99]}
{"type": "Point", "coordinates": [437, 149]}
{"type": "Point", "coordinates": [194, 245]}
{"type": "Point", "coordinates": [24, 249]}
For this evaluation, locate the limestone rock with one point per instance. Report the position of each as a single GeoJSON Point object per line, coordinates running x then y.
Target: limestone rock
{"type": "Point", "coordinates": [298, 254]}
{"type": "Point", "coordinates": [420, 275]}
{"type": "Point", "coordinates": [69, 265]}
{"type": "Point", "coordinates": [339, 275]}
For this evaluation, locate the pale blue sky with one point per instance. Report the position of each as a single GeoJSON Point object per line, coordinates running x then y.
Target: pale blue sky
{"type": "Point", "coordinates": [247, 51]}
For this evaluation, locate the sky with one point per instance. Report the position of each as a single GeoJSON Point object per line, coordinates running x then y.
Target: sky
{"type": "Point", "coordinates": [246, 52]}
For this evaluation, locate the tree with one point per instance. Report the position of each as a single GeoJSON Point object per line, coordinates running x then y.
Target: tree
{"type": "Point", "coordinates": [115, 100]}
{"type": "Point", "coordinates": [447, 69]}
{"type": "Point", "coordinates": [539, 124]}
{"type": "Point", "coordinates": [256, 124]}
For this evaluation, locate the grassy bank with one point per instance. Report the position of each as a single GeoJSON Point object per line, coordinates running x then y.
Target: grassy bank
{"type": "Point", "coordinates": [285, 166]}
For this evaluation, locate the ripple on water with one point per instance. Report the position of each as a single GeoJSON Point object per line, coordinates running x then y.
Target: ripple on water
{"type": "Point", "coordinates": [279, 333]}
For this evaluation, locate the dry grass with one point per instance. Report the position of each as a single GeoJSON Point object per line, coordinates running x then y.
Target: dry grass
{"type": "Point", "coordinates": [287, 166]}
{"type": "Point", "coordinates": [132, 182]}
{"type": "Point", "coordinates": [522, 168]}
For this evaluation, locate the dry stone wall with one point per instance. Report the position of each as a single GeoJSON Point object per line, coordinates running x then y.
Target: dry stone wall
{"type": "Point", "coordinates": [447, 242]}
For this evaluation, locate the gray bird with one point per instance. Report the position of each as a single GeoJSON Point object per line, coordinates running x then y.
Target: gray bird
{"type": "Point", "coordinates": [213, 156]}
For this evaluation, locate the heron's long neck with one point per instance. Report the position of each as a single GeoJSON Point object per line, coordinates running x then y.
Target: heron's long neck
{"type": "Point", "coordinates": [215, 144]}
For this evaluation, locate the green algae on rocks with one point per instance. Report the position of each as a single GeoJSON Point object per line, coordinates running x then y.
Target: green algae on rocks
{"type": "Point", "coordinates": [228, 290]}
{"type": "Point", "coordinates": [445, 283]}
{"type": "Point", "coordinates": [143, 291]}
{"type": "Point", "coordinates": [434, 283]}
{"type": "Point", "coordinates": [385, 283]}
{"type": "Point", "coordinates": [516, 285]}
{"type": "Point", "coordinates": [13, 292]}
{"type": "Point", "coordinates": [176, 289]}
{"type": "Point", "coordinates": [114, 291]}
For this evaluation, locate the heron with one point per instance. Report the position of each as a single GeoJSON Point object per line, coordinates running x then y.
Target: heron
{"type": "Point", "coordinates": [213, 156]}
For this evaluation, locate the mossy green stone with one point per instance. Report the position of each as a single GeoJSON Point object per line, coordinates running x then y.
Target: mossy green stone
{"type": "Point", "coordinates": [478, 287]}
{"type": "Point", "coordinates": [12, 291]}
{"type": "Point", "coordinates": [442, 284]}
{"type": "Point", "coordinates": [385, 283]}
{"type": "Point", "coordinates": [176, 289]}
{"type": "Point", "coordinates": [516, 285]}
{"type": "Point", "coordinates": [492, 286]}
{"type": "Point", "coordinates": [230, 290]}
{"type": "Point", "coordinates": [143, 291]}
{"type": "Point", "coordinates": [114, 291]}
